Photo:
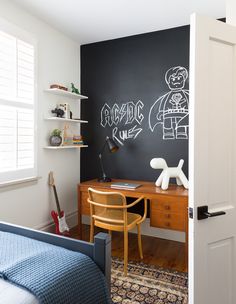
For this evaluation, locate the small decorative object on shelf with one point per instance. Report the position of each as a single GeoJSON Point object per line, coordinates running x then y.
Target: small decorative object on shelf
{"type": "Point", "coordinates": [169, 172]}
{"type": "Point", "coordinates": [63, 111]}
{"type": "Point", "coordinates": [55, 138]}
{"type": "Point", "coordinates": [58, 86]}
{"type": "Point", "coordinates": [74, 89]}
{"type": "Point", "coordinates": [59, 112]}
{"type": "Point", "coordinates": [66, 108]}
{"type": "Point", "coordinates": [67, 136]}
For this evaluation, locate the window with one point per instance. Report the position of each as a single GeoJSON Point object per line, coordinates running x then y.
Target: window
{"type": "Point", "coordinates": [17, 108]}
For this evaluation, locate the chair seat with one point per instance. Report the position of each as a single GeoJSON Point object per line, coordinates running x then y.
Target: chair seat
{"type": "Point", "coordinates": [132, 219]}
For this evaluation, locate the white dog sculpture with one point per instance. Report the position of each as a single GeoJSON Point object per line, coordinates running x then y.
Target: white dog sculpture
{"type": "Point", "coordinates": [167, 173]}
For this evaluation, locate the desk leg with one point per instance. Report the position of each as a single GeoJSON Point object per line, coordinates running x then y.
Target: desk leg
{"type": "Point", "coordinates": [79, 214]}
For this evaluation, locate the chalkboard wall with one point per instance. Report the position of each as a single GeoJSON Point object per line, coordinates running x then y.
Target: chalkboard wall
{"type": "Point", "coordinates": [138, 93]}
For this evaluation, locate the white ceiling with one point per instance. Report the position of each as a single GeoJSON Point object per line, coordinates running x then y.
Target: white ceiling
{"type": "Point", "coordinates": [96, 20]}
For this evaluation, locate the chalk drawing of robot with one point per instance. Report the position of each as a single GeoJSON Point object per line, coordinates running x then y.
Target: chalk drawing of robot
{"type": "Point", "coordinates": [171, 109]}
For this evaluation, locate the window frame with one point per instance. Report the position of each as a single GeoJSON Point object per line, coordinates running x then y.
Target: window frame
{"type": "Point", "coordinates": [20, 176]}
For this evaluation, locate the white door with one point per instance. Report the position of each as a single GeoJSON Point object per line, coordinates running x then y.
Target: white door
{"type": "Point", "coordinates": [212, 164]}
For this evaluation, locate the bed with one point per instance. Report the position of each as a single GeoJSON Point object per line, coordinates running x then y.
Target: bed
{"type": "Point", "coordinates": [38, 267]}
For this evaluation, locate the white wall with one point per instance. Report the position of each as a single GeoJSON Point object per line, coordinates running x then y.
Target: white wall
{"type": "Point", "coordinates": [231, 12]}
{"type": "Point", "coordinates": [58, 62]}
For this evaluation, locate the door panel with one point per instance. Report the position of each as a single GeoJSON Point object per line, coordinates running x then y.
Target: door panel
{"type": "Point", "coordinates": [220, 119]}
{"type": "Point", "coordinates": [220, 254]}
{"type": "Point", "coordinates": [212, 161]}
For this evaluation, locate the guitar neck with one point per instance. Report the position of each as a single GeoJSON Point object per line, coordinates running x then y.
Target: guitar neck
{"type": "Point", "coordinates": [57, 201]}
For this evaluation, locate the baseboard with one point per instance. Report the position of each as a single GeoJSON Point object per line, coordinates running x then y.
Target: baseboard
{"type": "Point", "coordinates": [71, 219]}
{"type": "Point", "coordinates": [152, 231]}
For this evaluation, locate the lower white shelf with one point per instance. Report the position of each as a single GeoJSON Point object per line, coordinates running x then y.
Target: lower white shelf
{"type": "Point", "coordinates": [65, 147]}
{"type": "Point", "coordinates": [65, 120]}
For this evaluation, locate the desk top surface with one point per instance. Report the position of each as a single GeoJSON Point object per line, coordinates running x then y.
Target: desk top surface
{"type": "Point", "coordinates": [146, 187]}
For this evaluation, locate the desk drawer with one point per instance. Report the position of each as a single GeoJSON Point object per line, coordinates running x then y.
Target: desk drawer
{"type": "Point", "coordinates": [175, 221]}
{"type": "Point", "coordinates": [169, 204]}
{"type": "Point", "coordinates": [85, 207]}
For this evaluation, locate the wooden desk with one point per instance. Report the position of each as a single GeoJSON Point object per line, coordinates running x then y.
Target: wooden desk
{"type": "Point", "coordinates": [168, 209]}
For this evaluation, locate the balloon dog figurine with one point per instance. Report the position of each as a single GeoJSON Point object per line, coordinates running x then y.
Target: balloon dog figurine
{"type": "Point", "coordinates": [169, 172]}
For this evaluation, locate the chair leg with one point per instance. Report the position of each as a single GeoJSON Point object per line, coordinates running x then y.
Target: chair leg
{"type": "Point", "coordinates": [91, 229]}
{"type": "Point", "coordinates": [140, 241]}
{"type": "Point", "coordinates": [125, 252]}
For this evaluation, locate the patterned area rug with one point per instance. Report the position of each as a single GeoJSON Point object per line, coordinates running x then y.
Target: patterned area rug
{"type": "Point", "coordinates": [147, 284]}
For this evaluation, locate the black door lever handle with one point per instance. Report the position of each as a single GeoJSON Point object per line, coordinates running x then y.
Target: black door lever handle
{"type": "Point", "coordinates": [202, 213]}
{"type": "Point", "coordinates": [212, 214]}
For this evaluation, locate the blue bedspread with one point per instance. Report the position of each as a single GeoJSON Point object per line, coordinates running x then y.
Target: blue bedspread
{"type": "Point", "coordinates": [52, 274]}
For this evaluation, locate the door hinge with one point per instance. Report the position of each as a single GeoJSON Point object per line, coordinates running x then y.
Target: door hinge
{"type": "Point", "coordinates": [190, 212]}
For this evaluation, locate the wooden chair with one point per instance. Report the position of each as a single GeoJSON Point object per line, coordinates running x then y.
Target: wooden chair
{"type": "Point", "coordinates": [108, 210]}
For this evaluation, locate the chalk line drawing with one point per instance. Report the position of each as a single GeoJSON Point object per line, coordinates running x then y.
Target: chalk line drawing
{"type": "Point", "coordinates": [171, 109]}
{"type": "Point", "coordinates": [125, 114]}
{"type": "Point", "coordinates": [123, 135]}
{"type": "Point", "coordinates": [129, 112]}
{"type": "Point", "coordinates": [106, 117]}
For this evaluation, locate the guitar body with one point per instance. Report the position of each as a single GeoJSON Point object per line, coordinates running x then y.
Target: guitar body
{"type": "Point", "coordinates": [60, 223]}
{"type": "Point", "coordinates": [59, 216]}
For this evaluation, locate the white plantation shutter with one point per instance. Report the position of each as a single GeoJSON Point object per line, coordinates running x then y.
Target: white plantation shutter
{"type": "Point", "coordinates": [17, 109]}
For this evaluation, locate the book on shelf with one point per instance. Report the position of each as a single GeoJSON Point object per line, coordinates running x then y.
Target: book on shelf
{"type": "Point", "coordinates": [78, 140]}
{"type": "Point", "coordinates": [78, 143]}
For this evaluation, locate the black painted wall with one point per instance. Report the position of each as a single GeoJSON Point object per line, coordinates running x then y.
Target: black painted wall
{"type": "Point", "coordinates": [122, 71]}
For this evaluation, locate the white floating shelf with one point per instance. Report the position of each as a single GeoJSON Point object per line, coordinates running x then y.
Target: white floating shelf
{"type": "Point", "coordinates": [66, 93]}
{"type": "Point", "coordinates": [65, 147]}
{"type": "Point", "coordinates": [66, 120]}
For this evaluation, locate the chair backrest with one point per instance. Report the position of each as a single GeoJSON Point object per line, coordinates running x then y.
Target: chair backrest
{"type": "Point", "coordinates": [108, 207]}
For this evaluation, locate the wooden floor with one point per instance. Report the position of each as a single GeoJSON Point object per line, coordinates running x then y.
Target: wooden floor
{"type": "Point", "coordinates": [164, 253]}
